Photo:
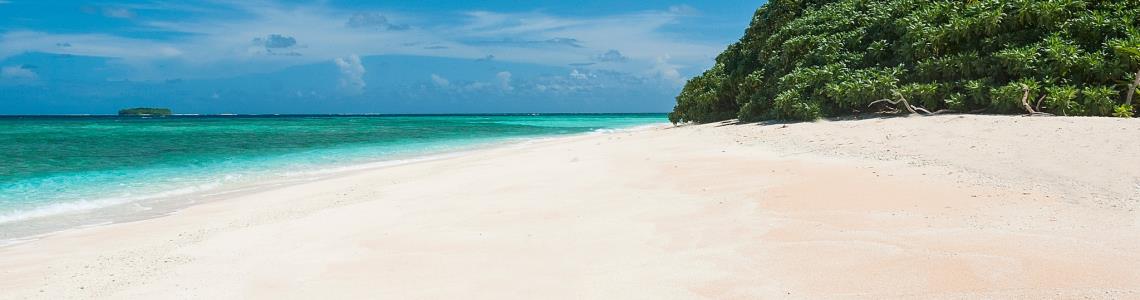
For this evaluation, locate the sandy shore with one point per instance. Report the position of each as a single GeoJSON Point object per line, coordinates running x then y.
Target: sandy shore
{"type": "Point", "coordinates": [957, 207]}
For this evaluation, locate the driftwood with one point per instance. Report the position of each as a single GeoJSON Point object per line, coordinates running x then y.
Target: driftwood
{"type": "Point", "coordinates": [896, 102]}
{"type": "Point", "coordinates": [1029, 109]}
{"type": "Point", "coordinates": [906, 104]}
{"type": "Point", "coordinates": [922, 111]}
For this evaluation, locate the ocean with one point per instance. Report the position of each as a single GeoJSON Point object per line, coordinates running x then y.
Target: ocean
{"type": "Point", "coordinates": [66, 171]}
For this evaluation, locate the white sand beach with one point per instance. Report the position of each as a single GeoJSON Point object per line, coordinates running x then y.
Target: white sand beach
{"type": "Point", "coordinates": [946, 207]}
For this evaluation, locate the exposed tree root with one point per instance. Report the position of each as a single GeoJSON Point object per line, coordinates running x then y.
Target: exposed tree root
{"type": "Point", "coordinates": [905, 104]}
{"type": "Point", "coordinates": [895, 102]}
{"type": "Point", "coordinates": [1025, 100]}
{"type": "Point", "coordinates": [1029, 109]}
{"type": "Point", "coordinates": [925, 112]}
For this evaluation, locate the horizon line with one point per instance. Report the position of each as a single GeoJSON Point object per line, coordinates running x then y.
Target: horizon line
{"type": "Point", "coordinates": [337, 114]}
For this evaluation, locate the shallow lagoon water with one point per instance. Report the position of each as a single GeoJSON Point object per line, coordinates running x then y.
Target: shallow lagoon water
{"type": "Point", "coordinates": [52, 165]}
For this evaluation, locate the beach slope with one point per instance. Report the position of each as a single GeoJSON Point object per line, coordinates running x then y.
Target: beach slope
{"type": "Point", "coordinates": [955, 207]}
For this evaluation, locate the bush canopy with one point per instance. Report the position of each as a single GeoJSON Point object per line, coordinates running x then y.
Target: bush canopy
{"type": "Point", "coordinates": [807, 59]}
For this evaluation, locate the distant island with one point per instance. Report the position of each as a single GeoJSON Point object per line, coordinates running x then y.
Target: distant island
{"type": "Point", "coordinates": [145, 111]}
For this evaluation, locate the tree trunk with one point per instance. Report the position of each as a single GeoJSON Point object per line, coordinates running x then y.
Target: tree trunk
{"type": "Point", "coordinates": [1132, 88]}
{"type": "Point", "coordinates": [1025, 100]}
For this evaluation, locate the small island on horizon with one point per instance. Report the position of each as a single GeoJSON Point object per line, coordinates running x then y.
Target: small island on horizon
{"type": "Point", "coordinates": [145, 111]}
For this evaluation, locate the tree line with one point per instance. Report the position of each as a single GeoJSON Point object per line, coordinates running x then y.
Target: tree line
{"type": "Point", "coordinates": [807, 59]}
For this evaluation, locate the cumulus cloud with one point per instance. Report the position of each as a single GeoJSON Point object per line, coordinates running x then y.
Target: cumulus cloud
{"type": "Point", "coordinates": [440, 81]}
{"type": "Point", "coordinates": [667, 71]}
{"type": "Point", "coordinates": [276, 45]}
{"type": "Point", "coordinates": [580, 83]}
{"type": "Point", "coordinates": [18, 73]}
{"type": "Point", "coordinates": [374, 21]}
{"type": "Point", "coordinates": [640, 36]}
{"type": "Point", "coordinates": [322, 32]}
{"type": "Point", "coordinates": [573, 83]}
{"type": "Point", "coordinates": [275, 41]}
{"type": "Point", "coordinates": [351, 74]}
{"type": "Point", "coordinates": [504, 80]}
{"type": "Point", "coordinates": [578, 75]}
{"type": "Point", "coordinates": [611, 56]}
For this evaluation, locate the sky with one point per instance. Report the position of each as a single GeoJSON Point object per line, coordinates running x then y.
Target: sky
{"type": "Point", "coordinates": [426, 56]}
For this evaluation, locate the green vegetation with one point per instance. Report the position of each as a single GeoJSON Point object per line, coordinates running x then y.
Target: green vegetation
{"type": "Point", "coordinates": [806, 59]}
{"type": "Point", "coordinates": [145, 111]}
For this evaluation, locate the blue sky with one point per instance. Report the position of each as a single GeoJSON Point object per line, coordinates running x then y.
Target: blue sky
{"type": "Point", "coordinates": [428, 56]}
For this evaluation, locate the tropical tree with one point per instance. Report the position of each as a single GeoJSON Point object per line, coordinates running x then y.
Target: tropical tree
{"type": "Point", "coordinates": [806, 59]}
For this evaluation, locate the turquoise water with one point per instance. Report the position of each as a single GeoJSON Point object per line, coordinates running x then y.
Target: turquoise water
{"type": "Point", "coordinates": [59, 165]}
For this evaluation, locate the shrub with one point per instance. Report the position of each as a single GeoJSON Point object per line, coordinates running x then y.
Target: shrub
{"type": "Point", "coordinates": [924, 94]}
{"type": "Point", "coordinates": [1007, 99]}
{"type": "Point", "coordinates": [1062, 100]}
{"type": "Point", "coordinates": [789, 105]}
{"type": "Point", "coordinates": [806, 59]}
{"type": "Point", "coordinates": [1122, 111]}
{"type": "Point", "coordinates": [1099, 101]}
{"type": "Point", "coordinates": [956, 102]}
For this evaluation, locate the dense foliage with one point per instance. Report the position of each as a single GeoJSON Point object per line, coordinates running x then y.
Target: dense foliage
{"type": "Point", "coordinates": [806, 59]}
{"type": "Point", "coordinates": [145, 111]}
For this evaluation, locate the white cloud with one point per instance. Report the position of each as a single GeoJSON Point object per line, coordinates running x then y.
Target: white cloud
{"type": "Point", "coordinates": [639, 35]}
{"type": "Point", "coordinates": [683, 10]}
{"type": "Point", "coordinates": [275, 41]}
{"type": "Point", "coordinates": [505, 80]}
{"type": "Point", "coordinates": [118, 12]}
{"type": "Point", "coordinates": [322, 33]}
{"type": "Point", "coordinates": [275, 45]}
{"type": "Point", "coordinates": [611, 56]}
{"type": "Point", "coordinates": [577, 82]}
{"type": "Point", "coordinates": [374, 21]}
{"type": "Point", "coordinates": [440, 81]}
{"type": "Point", "coordinates": [100, 45]}
{"type": "Point", "coordinates": [578, 75]}
{"type": "Point", "coordinates": [351, 74]}
{"type": "Point", "coordinates": [17, 72]}
{"type": "Point", "coordinates": [666, 71]}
